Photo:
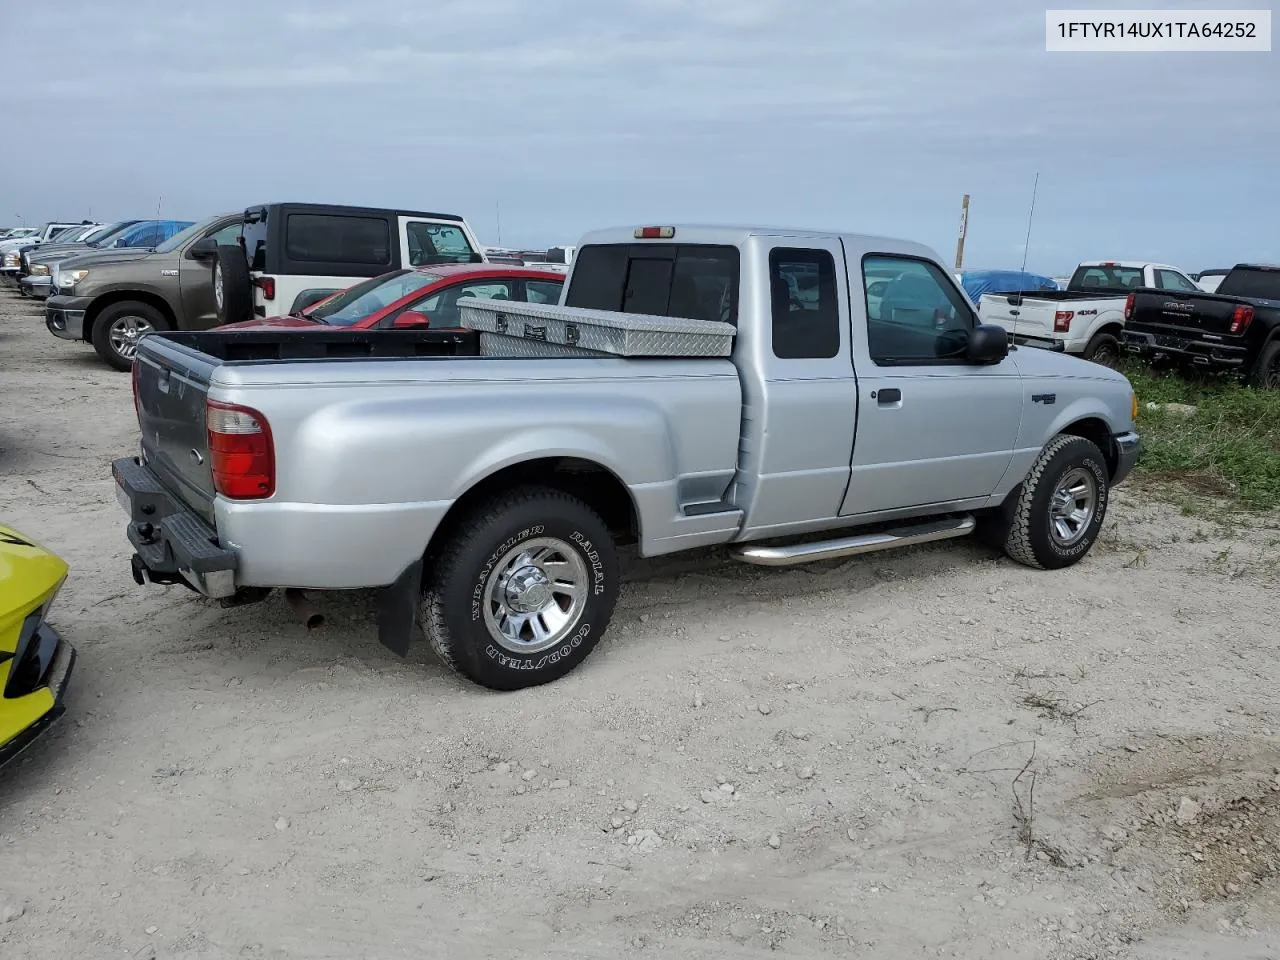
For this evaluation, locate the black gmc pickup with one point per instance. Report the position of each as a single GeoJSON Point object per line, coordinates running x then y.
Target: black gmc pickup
{"type": "Point", "coordinates": [1236, 328]}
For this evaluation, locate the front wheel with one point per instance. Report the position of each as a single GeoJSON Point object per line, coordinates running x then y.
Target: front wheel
{"type": "Point", "coordinates": [1061, 505]}
{"type": "Point", "coordinates": [119, 327]}
{"type": "Point", "coordinates": [521, 590]}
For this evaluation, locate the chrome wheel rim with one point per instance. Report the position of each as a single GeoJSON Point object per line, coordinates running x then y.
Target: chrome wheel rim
{"type": "Point", "coordinates": [217, 284]}
{"type": "Point", "coordinates": [535, 595]}
{"type": "Point", "coordinates": [125, 333]}
{"type": "Point", "coordinates": [1072, 506]}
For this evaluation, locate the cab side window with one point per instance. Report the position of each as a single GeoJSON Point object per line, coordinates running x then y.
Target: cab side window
{"type": "Point", "coordinates": [804, 304]}
{"type": "Point", "coordinates": [443, 307]}
{"type": "Point", "coordinates": [1168, 280]}
{"type": "Point", "coordinates": [914, 314]}
{"type": "Point", "coordinates": [228, 235]}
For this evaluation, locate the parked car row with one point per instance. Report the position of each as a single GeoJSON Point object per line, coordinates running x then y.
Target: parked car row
{"type": "Point", "coordinates": [1218, 319]}
{"type": "Point", "coordinates": [1085, 319]}
{"type": "Point", "coordinates": [54, 231]}
{"type": "Point", "coordinates": [34, 275]}
{"type": "Point", "coordinates": [266, 261]}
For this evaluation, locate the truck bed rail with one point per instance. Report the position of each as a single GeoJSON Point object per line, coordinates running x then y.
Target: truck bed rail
{"type": "Point", "coordinates": [325, 344]}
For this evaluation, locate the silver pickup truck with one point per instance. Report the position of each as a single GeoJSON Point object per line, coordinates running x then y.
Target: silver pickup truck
{"type": "Point", "coordinates": [694, 386]}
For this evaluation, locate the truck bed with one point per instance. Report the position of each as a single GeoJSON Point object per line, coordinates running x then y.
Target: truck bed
{"type": "Point", "coordinates": [374, 434]}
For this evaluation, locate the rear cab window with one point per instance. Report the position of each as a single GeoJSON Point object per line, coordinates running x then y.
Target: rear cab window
{"type": "Point", "coordinates": [686, 280]}
{"type": "Point", "coordinates": [1106, 277]}
{"type": "Point", "coordinates": [1254, 283]}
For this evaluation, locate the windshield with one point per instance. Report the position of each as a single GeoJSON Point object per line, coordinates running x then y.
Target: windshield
{"type": "Point", "coordinates": [365, 299]}
{"type": "Point", "coordinates": [110, 233]}
{"type": "Point", "coordinates": [1255, 283]}
{"type": "Point", "coordinates": [178, 239]}
{"type": "Point", "coordinates": [93, 236]}
{"type": "Point", "coordinates": [66, 235]}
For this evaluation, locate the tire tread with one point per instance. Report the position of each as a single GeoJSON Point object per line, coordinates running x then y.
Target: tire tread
{"type": "Point", "coordinates": [457, 537]}
{"type": "Point", "coordinates": [1018, 545]}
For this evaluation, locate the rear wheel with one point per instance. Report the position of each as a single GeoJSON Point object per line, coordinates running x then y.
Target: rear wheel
{"type": "Point", "coordinates": [521, 590]}
{"type": "Point", "coordinates": [119, 327]}
{"type": "Point", "coordinates": [1057, 513]}
{"type": "Point", "coordinates": [1266, 372]}
{"type": "Point", "coordinates": [1104, 348]}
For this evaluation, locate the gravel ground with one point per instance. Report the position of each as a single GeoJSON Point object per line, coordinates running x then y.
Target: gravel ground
{"type": "Point", "coordinates": [930, 753]}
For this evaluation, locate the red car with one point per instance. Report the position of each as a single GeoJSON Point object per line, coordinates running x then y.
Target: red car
{"type": "Point", "coordinates": [419, 296]}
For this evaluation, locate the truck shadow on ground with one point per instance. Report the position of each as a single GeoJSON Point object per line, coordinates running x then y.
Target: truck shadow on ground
{"type": "Point", "coordinates": [688, 589]}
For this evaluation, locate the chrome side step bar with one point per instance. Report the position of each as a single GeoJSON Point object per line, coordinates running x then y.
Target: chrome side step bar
{"type": "Point", "coordinates": [788, 554]}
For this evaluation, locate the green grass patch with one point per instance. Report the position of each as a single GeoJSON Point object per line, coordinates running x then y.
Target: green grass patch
{"type": "Point", "coordinates": [1229, 448]}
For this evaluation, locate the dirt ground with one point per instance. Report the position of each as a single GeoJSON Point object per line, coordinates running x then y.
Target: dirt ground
{"type": "Point", "coordinates": [930, 753]}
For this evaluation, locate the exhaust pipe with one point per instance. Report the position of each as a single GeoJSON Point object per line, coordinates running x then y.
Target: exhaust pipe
{"type": "Point", "coordinates": [297, 600]}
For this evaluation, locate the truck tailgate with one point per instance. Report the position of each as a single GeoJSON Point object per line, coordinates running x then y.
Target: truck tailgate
{"type": "Point", "coordinates": [1185, 313]}
{"type": "Point", "coordinates": [170, 386]}
{"type": "Point", "coordinates": [1021, 316]}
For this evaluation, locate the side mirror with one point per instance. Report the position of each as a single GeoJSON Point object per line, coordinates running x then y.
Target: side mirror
{"type": "Point", "coordinates": [411, 320]}
{"type": "Point", "coordinates": [204, 249]}
{"type": "Point", "coordinates": [988, 343]}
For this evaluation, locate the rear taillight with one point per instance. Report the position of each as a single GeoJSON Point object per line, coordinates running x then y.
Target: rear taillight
{"type": "Point", "coordinates": [267, 285]}
{"type": "Point", "coordinates": [1241, 318]}
{"type": "Point", "coordinates": [240, 451]}
{"type": "Point", "coordinates": [1128, 307]}
{"type": "Point", "coordinates": [1062, 321]}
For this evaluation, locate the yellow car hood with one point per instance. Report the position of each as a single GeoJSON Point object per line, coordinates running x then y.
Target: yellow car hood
{"type": "Point", "coordinates": [29, 577]}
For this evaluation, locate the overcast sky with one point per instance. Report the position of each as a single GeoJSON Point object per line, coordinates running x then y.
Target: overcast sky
{"type": "Point", "coordinates": [573, 114]}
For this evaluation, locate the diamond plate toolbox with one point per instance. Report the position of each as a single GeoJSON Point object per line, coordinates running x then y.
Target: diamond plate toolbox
{"type": "Point", "coordinates": [593, 331]}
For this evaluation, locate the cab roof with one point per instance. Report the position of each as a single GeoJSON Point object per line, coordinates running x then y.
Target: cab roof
{"type": "Point", "coordinates": [736, 234]}
{"type": "Point", "coordinates": [467, 269]}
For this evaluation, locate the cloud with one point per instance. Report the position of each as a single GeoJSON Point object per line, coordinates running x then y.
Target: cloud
{"type": "Point", "coordinates": [867, 116]}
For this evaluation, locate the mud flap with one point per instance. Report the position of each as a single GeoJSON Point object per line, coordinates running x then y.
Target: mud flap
{"type": "Point", "coordinates": [398, 608]}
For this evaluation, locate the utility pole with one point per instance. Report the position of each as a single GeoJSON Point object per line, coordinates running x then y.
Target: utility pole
{"type": "Point", "coordinates": [964, 226]}
{"type": "Point", "coordinates": [497, 209]}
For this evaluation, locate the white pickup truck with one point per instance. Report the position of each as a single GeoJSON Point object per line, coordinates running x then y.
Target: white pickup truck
{"type": "Point", "coordinates": [1086, 318]}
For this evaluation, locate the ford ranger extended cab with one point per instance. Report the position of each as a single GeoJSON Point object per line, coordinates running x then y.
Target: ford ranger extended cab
{"type": "Point", "coordinates": [1087, 317]}
{"type": "Point", "coordinates": [694, 386]}
{"type": "Point", "coordinates": [1235, 328]}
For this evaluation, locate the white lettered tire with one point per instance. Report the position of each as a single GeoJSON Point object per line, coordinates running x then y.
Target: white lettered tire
{"type": "Point", "coordinates": [520, 591]}
{"type": "Point", "coordinates": [1061, 505]}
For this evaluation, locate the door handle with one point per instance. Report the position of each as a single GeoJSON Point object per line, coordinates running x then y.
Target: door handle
{"type": "Point", "coordinates": [889, 395]}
